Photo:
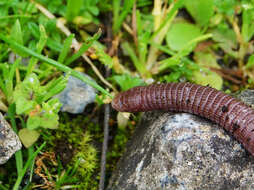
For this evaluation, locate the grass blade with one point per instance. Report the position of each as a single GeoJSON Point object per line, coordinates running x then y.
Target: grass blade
{"type": "Point", "coordinates": [66, 48]}
{"type": "Point", "coordinates": [40, 45]}
{"type": "Point", "coordinates": [73, 8]}
{"type": "Point", "coordinates": [18, 154]}
{"type": "Point", "coordinates": [85, 46]}
{"type": "Point", "coordinates": [139, 66]}
{"type": "Point", "coordinates": [54, 63]}
{"type": "Point", "coordinates": [28, 163]}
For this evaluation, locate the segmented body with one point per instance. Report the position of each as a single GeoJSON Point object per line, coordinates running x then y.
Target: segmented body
{"type": "Point", "coordinates": [230, 113]}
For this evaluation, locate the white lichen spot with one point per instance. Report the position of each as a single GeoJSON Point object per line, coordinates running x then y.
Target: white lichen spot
{"type": "Point", "coordinates": [139, 166]}
{"type": "Point", "coordinates": [189, 163]}
{"type": "Point", "coordinates": [31, 79]}
{"type": "Point", "coordinates": [138, 171]}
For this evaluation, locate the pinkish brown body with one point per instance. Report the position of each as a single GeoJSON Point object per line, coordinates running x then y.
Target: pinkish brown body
{"type": "Point", "coordinates": [228, 112]}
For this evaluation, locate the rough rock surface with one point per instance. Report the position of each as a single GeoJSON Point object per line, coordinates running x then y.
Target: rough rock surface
{"type": "Point", "coordinates": [184, 152]}
{"type": "Point", "coordinates": [76, 95]}
{"type": "Point", "coordinates": [247, 97]}
{"type": "Point", "coordinates": [9, 141]}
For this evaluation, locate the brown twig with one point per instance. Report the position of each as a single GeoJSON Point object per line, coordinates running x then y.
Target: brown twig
{"type": "Point", "coordinates": [104, 146]}
{"type": "Point", "coordinates": [112, 51]}
{"type": "Point", "coordinates": [42, 169]}
{"type": "Point", "coordinates": [127, 28]}
{"type": "Point", "coordinates": [229, 75]}
{"type": "Point", "coordinates": [106, 113]}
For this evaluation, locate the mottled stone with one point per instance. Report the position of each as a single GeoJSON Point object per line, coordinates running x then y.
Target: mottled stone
{"type": "Point", "coordinates": [180, 151]}
{"type": "Point", "coordinates": [9, 141]}
{"type": "Point", "coordinates": [76, 95]}
{"type": "Point", "coordinates": [247, 97]}
{"type": "Point", "coordinates": [13, 57]}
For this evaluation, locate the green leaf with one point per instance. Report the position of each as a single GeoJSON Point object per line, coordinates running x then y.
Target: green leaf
{"type": "Point", "coordinates": [127, 81]}
{"type": "Point", "coordinates": [181, 34]}
{"type": "Point", "coordinates": [17, 35]}
{"type": "Point", "coordinates": [85, 46]}
{"type": "Point", "coordinates": [226, 6]}
{"type": "Point", "coordinates": [23, 105]}
{"type": "Point", "coordinates": [49, 116]}
{"type": "Point", "coordinates": [143, 33]}
{"type": "Point", "coordinates": [170, 16]}
{"type": "Point", "coordinates": [204, 76]}
{"type": "Point", "coordinates": [66, 48]}
{"type": "Point", "coordinates": [226, 38]}
{"type": "Point", "coordinates": [200, 10]}
{"type": "Point", "coordinates": [46, 116]}
{"type": "Point", "coordinates": [39, 47]}
{"type": "Point", "coordinates": [206, 59]}
{"type": "Point", "coordinates": [247, 25]}
{"type": "Point", "coordinates": [169, 62]}
{"type": "Point", "coordinates": [52, 44]}
{"type": "Point", "coordinates": [33, 122]}
{"type": "Point", "coordinates": [119, 18]}
{"type": "Point", "coordinates": [28, 137]}
{"type": "Point", "coordinates": [103, 57]}
{"type": "Point", "coordinates": [43, 39]}
{"type": "Point", "coordinates": [182, 70]}
{"type": "Point", "coordinates": [55, 86]}
{"type": "Point", "coordinates": [16, 32]}
{"type": "Point", "coordinates": [26, 93]}
{"type": "Point", "coordinates": [141, 68]}
{"type": "Point", "coordinates": [8, 75]}
{"type": "Point", "coordinates": [250, 62]}
{"type": "Point", "coordinates": [73, 8]}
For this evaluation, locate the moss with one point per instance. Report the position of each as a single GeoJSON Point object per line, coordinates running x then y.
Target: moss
{"type": "Point", "coordinates": [88, 157]}
{"type": "Point", "coordinates": [84, 136]}
{"type": "Point", "coordinates": [73, 134]}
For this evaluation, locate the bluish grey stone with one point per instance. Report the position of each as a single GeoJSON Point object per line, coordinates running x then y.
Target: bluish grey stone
{"type": "Point", "coordinates": [76, 96]}
{"type": "Point", "coordinates": [13, 57]}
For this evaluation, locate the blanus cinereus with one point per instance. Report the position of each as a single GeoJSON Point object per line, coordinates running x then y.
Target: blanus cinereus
{"type": "Point", "coordinates": [230, 113]}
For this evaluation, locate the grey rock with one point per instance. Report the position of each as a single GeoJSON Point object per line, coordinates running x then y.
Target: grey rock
{"type": "Point", "coordinates": [13, 57]}
{"type": "Point", "coordinates": [9, 141]}
{"type": "Point", "coordinates": [247, 97]}
{"type": "Point", "coordinates": [76, 96]}
{"type": "Point", "coordinates": [180, 151]}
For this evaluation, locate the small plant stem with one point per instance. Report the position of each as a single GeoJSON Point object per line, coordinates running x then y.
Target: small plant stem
{"type": "Point", "coordinates": [160, 31]}
{"type": "Point", "coordinates": [3, 187]}
{"type": "Point", "coordinates": [127, 28]}
{"type": "Point", "coordinates": [139, 66]}
{"type": "Point", "coordinates": [106, 116]}
{"type": "Point", "coordinates": [157, 14]}
{"type": "Point", "coordinates": [164, 64]}
{"type": "Point", "coordinates": [243, 45]}
{"type": "Point", "coordinates": [15, 17]}
{"type": "Point", "coordinates": [28, 163]}
{"type": "Point", "coordinates": [104, 146]}
{"type": "Point", "coordinates": [18, 154]}
{"type": "Point", "coordinates": [30, 154]}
